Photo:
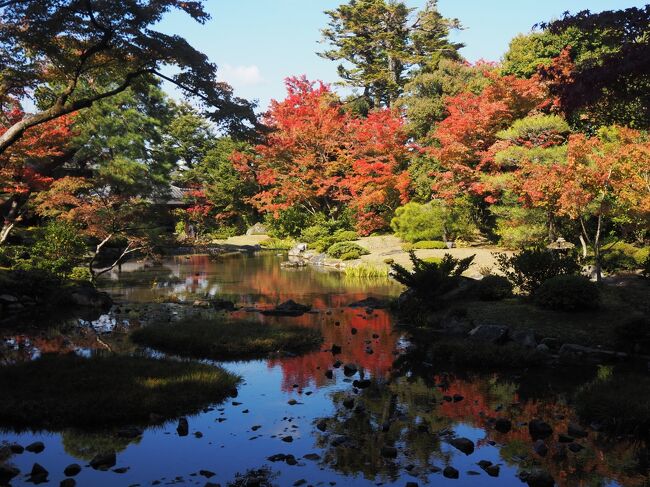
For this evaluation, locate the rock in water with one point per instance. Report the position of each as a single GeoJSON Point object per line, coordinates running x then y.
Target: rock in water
{"type": "Point", "coordinates": [104, 461]}
{"type": "Point", "coordinates": [183, 427]}
{"type": "Point", "coordinates": [72, 470]}
{"type": "Point", "coordinates": [38, 474]}
{"type": "Point", "coordinates": [7, 472]}
{"type": "Point", "coordinates": [503, 425]}
{"type": "Point", "coordinates": [463, 444]}
{"type": "Point", "coordinates": [36, 447]}
{"type": "Point", "coordinates": [450, 473]}
{"type": "Point", "coordinates": [537, 478]}
{"type": "Point", "coordinates": [539, 430]}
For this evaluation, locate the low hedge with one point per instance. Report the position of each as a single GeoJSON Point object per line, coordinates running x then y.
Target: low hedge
{"type": "Point", "coordinates": [568, 293]}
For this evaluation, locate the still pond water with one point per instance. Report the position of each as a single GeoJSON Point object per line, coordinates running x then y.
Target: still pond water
{"type": "Point", "coordinates": [414, 397]}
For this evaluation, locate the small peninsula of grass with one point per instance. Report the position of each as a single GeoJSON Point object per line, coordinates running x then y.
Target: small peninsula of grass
{"type": "Point", "coordinates": [57, 392]}
{"type": "Point", "coordinates": [220, 340]}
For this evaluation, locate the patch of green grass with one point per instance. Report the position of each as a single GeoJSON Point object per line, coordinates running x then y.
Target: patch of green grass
{"type": "Point", "coordinates": [595, 327]}
{"type": "Point", "coordinates": [620, 402]}
{"type": "Point", "coordinates": [56, 392]}
{"type": "Point", "coordinates": [365, 270]}
{"type": "Point", "coordinates": [277, 243]}
{"type": "Point", "coordinates": [221, 340]}
{"type": "Point", "coordinates": [478, 355]}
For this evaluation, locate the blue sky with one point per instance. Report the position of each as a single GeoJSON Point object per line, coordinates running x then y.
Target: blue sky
{"type": "Point", "coordinates": [257, 43]}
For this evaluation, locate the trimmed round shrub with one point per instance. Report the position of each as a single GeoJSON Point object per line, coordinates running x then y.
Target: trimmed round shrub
{"type": "Point", "coordinates": [494, 288]}
{"type": "Point", "coordinates": [430, 244]}
{"type": "Point", "coordinates": [339, 249]}
{"type": "Point", "coordinates": [567, 293]}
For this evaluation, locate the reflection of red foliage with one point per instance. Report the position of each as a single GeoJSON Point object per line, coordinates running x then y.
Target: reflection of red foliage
{"type": "Point", "coordinates": [478, 408]}
{"type": "Point", "coordinates": [310, 369]}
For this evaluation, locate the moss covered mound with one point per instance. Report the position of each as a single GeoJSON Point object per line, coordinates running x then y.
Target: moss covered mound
{"type": "Point", "coordinates": [220, 340]}
{"type": "Point", "coordinates": [57, 392]}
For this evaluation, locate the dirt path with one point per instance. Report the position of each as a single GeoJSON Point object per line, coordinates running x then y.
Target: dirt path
{"type": "Point", "coordinates": [390, 247]}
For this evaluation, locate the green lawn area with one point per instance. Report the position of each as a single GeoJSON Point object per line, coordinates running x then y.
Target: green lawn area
{"type": "Point", "coordinates": [56, 392]}
{"type": "Point", "coordinates": [587, 328]}
{"type": "Point", "coordinates": [221, 340]}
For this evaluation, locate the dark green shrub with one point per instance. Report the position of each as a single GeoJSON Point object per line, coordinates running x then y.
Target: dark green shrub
{"type": "Point", "coordinates": [633, 334]}
{"type": "Point", "coordinates": [58, 249]}
{"type": "Point", "coordinates": [436, 220]}
{"type": "Point", "coordinates": [623, 256]}
{"type": "Point", "coordinates": [431, 279]}
{"type": "Point", "coordinates": [645, 268]}
{"type": "Point", "coordinates": [494, 288]}
{"type": "Point", "coordinates": [350, 255]}
{"type": "Point", "coordinates": [529, 268]}
{"type": "Point", "coordinates": [429, 244]}
{"type": "Point", "coordinates": [567, 293]}
{"type": "Point", "coordinates": [339, 249]}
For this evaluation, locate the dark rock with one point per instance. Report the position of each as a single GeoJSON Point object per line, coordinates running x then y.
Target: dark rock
{"type": "Point", "coordinates": [36, 447]}
{"type": "Point", "coordinates": [337, 364]}
{"type": "Point", "coordinates": [353, 330]}
{"type": "Point", "coordinates": [349, 370]}
{"type": "Point", "coordinates": [389, 452]}
{"type": "Point", "coordinates": [540, 448]}
{"type": "Point", "coordinates": [493, 470]}
{"type": "Point", "coordinates": [103, 461]}
{"type": "Point", "coordinates": [339, 440]}
{"type": "Point", "coordinates": [361, 384]}
{"type": "Point", "coordinates": [450, 473]}
{"type": "Point", "coordinates": [348, 402]}
{"type": "Point", "coordinates": [297, 483]}
{"type": "Point", "coordinates": [89, 297]}
{"type": "Point", "coordinates": [72, 470]}
{"type": "Point", "coordinates": [288, 308]}
{"type": "Point", "coordinates": [312, 456]}
{"type": "Point", "coordinates": [537, 478]}
{"type": "Point", "coordinates": [369, 302]}
{"type": "Point", "coordinates": [458, 398]}
{"type": "Point", "coordinates": [183, 428]}
{"type": "Point", "coordinates": [329, 374]}
{"type": "Point", "coordinates": [336, 349]}
{"type": "Point", "coordinates": [223, 305]}
{"type": "Point", "coordinates": [292, 402]}
{"type": "Point", "coordinates": [412, 484]}
{"type": "Point", "coordinates": [525, 338]}
{"type": "Point", "coordinates": [68, 483]}
{"type": "Point", "coordinates": [287, 439]}
{"type": "Point", "coordinates": [291, 460]}
{"type": "Point", "coordinates": [463, 444]}
{"type": "Point", "coordinates": [576, 431]}
{"type": "Point", "coordinates": [38, 474]}
{"type": "Point", "coordinates": [207, 474]}
{"type": "Point", "coordinates": [278, 457]}
{"type": "Point", "coordinates": [490, 333]}
{"type": "Point", "coordinates": [538, 429]}
{"type": "Point", "coordinates": [484, 464]}
{"type": "Point", "coordinates": [322, 425]}
{"type": "Point", "coordinates": [7, 472]}
{"type": "Point", "coordinates": [575, 447]}
{"type": "Point", "coordinates": [16, 449]}
{"type": "Point", "coordinates": [503, 425]}
{"type": "Point", "coordinates": [121, 470]}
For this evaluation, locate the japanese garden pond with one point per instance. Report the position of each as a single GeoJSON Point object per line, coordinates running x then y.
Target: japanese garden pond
{"type": "Point", "coordinates": [304, 427]}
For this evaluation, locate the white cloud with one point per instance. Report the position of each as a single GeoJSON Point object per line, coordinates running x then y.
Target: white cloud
{"type": "Point", "coordinates": [240, 75]}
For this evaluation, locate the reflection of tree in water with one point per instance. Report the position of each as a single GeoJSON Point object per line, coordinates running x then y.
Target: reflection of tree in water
{"type": "Point", "coordinates": [401, 412]}
{"type": "Point", "coordinates": [545, 395]}
{"type": "Point", "coordinates": [85, 445]}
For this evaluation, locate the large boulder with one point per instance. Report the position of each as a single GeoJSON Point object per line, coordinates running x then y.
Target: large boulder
{"type": "Point", "coordinates": [257, 229]}
{"type": "Point", "coordinates": [288, 308]}
{"type": "Point", "coordinates": [489, 333]}
{"type": "Point", "coordinates": [104, 461]}
{"type": "Point", "coordinates": [525, 338]}
{"type": "Point", "coordinates": [89, 297]}
{"type": "Point", "coordinates": [298, 249]}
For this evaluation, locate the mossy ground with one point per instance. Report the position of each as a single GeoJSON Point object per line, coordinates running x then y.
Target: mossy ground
{"type": "Point", "coordinates": [56, 392]}
{"type": "Point", "coordinates": [221, 340]}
